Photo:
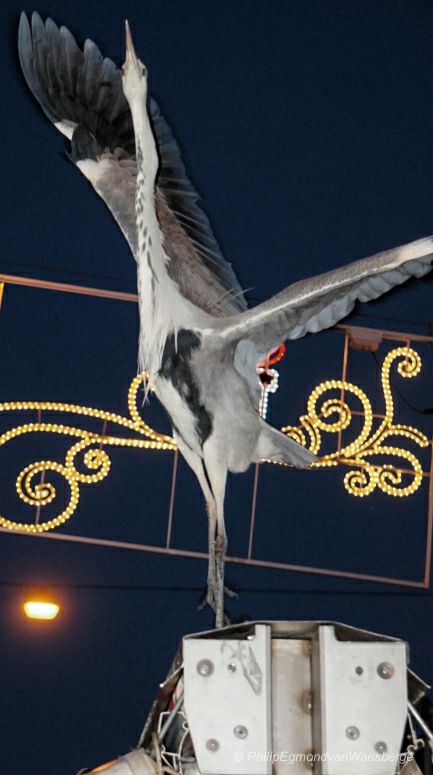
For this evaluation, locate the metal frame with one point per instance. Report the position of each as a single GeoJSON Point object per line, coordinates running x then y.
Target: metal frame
{"type": "Point", "coordinates": [350, 333]}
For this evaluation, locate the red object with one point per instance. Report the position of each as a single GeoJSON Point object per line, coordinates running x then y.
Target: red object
{"type": "Point", "coordinates": [273, 357]}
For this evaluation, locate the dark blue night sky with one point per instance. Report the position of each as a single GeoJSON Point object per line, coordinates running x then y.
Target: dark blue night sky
{"type": "Point", "coordinates": [307, 127]}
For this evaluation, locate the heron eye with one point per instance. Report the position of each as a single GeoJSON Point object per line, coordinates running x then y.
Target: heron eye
{"type": "Point", "coordinates": [143, 70]}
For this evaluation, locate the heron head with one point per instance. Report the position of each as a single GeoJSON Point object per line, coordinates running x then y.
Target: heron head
{"type": "Point", "coordinates": [134, 73]}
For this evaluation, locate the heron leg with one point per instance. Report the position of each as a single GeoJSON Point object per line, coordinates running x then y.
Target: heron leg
{"type": "Point", "coordinates": [220, 556]}
{"type": "Point", "coordinates": [196, 464]}
{"type": "Point", "coordinates": [212, 576]}
{"type": "Point", "coordinates": [217, 474]}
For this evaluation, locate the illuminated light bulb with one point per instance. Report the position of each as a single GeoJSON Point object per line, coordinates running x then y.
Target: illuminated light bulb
{"type": "Point", "coordinates": [41, 609]}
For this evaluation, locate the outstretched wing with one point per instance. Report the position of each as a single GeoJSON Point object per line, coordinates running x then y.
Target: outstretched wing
{"type": "Point", "coordinates": [311, 305]}
{"type": "Point", "coordinates": [81, 93]}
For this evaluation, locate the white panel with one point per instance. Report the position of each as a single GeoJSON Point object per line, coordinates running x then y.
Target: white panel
{"type": "Point", "coordinates": [291, 700]}
{"type": "Point", "coordinates": [362, 713]}
{"type": "Point", "coordinates": [228, 703]}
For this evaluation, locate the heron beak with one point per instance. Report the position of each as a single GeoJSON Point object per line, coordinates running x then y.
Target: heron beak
{"type": "Point", "coordinates": [131, 57]}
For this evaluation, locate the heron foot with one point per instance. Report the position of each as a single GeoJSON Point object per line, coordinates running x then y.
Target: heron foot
{"type": "Point", "coordinates": [215, 601]}
{"type": "Point", "coordinates": [208, 598]}
{"type": "Point", "coordinates": [205, 600]}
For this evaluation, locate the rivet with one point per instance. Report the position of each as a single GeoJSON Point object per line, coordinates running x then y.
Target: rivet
{"type": "Point", "coordinates": [352, 733]}
{"type": "Point", "coordinates": [381, 747]}
{"type": "Point", "coordinates": [241, 732]}
{"type": "Point", "coordinates": [231, 667]}
{"type": "Point", "coordinates": [205, 667]}
{"type": "Point", "coordinates": [359, 670]}
{"type": "Point", "coordinates": [212, 744]}
{"type": "Point", "coordinates": [385, 670]}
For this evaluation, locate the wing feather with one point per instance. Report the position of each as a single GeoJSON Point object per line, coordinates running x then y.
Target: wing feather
{"type": "Point", "coordinates": [320, 302]}
{"type": "Point", "coordinates": [81, 93]}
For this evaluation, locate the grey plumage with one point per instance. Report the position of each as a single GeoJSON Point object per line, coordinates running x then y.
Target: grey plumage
{"type": "Point", "coordinates": [81, 91]}
{"type": "Point", "coordinates": [193, 318]}
{"type": "Point", "coordinates": [317, 303]}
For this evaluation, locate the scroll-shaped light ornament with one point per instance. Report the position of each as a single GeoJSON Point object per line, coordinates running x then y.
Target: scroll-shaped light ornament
{"type": "Point", "coordinates": [91, 447]}
{"type": "Point", "coordinates": [334, 415]}
{"type": "Point", "coordinates": [329, 416]}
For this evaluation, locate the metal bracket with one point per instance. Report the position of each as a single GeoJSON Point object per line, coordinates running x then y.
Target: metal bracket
{"type": "Point", "coordinates": [228, 702]}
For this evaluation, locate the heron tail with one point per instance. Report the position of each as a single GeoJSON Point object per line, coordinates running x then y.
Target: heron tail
{"type": "Point", "coordinates": [276, 446]}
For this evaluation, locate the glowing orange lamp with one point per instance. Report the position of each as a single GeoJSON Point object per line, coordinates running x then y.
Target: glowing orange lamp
{"type": "Point", "coordinates": [41, 606]}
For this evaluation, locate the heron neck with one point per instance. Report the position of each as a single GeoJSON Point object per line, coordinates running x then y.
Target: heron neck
{"type": "Point", "coordinates": [147, 167]}
{"type": "Point", "coordinates": [161, 306]}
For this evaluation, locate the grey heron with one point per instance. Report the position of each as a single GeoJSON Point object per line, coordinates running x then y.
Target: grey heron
{"type": "Point", "coordinates": [192, 312]}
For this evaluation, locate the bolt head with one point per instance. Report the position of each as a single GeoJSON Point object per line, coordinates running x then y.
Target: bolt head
{"type": "Point", "coordinates": [359, 670]}
{"type": "Point", "coordinates": [385, 670]}
{"type": "Point", "coordinates": [352, 733]}
{"type": "Point", "coordinates": [381, 747]}
{"type": "Point", "coordinates": [212, 744]}
{"type": "Point", "coordinates": [231, 667]}
{"type": "Point", "coordinates": [240, 731]}
{"type": "Point", "coordinates": [205, 667]}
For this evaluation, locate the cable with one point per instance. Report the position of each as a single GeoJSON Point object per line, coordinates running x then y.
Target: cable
{"type": "Point", "coordinates": [199, 590]}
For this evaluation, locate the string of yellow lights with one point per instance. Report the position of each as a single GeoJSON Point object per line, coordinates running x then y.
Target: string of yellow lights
{"type": "Point", "coordinates": [330, 416]}
{"type": "Point", "coordinates": [367, 476]}
{"type": "Point", "coordinates": [95, 459]}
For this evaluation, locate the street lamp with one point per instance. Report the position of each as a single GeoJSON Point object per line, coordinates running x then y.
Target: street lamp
{"type": "Point", "coordinates": [41, 605]}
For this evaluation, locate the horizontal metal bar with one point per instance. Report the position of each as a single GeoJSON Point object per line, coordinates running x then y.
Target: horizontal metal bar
{"type": "Point", "coordinates": [83, 290]}
{"type": "Point", "coordinates": [104, 293]}
{"type": "Point", "coordinates": [186, 553]}
{"type": "Point", "coordinates": [395, 336]}
{"type": "Point", "coordinates": [355, 463]}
